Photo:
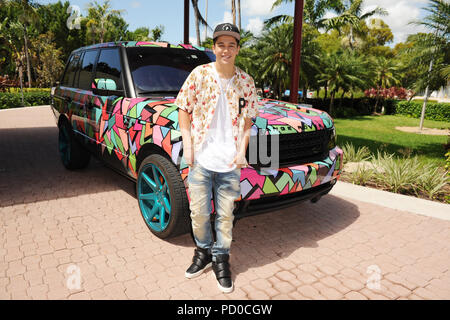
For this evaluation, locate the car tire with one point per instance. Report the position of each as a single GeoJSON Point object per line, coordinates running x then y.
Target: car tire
{"type": "Point", "coordinates": [73, 154]}
{"type": "Point", "coordinates": [162, 196]}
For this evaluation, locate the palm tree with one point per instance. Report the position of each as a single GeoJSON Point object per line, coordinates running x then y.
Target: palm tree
{"type": "Point", "coordinates": [275, 50]}
{"type": "Point", "coordinates": [198, 20]}
{"type": "Point", "coordinates": [12, 36]}
{"type": "Point", "coordinates": [386, 75]}
{"type": "Point", "coordinates": [233, 11]}
{"type": "Point", "coordinates": [313, 12]}
{"type": "Point", "coordinates": [342, 71]}
{"type": "Point", "coordinates": [98, 20]}
{"type": "Point", "coordinates": [433, 47]}
{"type": "Point", "coordinates": [239, 11]}
{"type": "Point", "coordinates": [27, 16]}
{"type": "Point", "coordinates": [349, 14]}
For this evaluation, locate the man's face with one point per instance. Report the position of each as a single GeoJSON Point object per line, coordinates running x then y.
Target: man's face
{"type": "Point", "coordinates": [226, 50]}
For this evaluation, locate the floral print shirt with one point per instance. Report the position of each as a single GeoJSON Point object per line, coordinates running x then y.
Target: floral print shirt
{"type": "Point", "coordinates": [200, 93]}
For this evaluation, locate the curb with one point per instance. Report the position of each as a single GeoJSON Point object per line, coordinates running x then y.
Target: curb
{"type": "Point", "coordinates": [20, 108]}
{"type": "Point", "coordinates": [392, 200]}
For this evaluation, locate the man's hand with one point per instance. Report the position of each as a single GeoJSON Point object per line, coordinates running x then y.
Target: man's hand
{"type": "Point", "coordinates": [239, 160]}
{"type": "Point", "coordinates": [188, 156]}
{"type": "Point", "coordinates": [185, 128]}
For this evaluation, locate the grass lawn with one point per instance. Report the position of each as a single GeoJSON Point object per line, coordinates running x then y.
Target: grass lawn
{"type": "Point", "coordinates": [379, 133]}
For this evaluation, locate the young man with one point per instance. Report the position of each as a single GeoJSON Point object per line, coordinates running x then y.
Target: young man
{"type": "Point", "coordinates": [217, 103]}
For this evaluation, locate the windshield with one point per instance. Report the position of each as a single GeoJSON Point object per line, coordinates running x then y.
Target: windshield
{"type": "Point", "coordinates": [163, 70]}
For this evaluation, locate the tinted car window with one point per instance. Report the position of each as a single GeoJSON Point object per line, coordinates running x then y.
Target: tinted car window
{"type": "Point", "coordinates": [87, 66]}
{"type": "Point", "coordinates": [162, 69]}
{"type": "Point", "coordinates": [108, 66]}
{"type": "Point", "coordinates": [69, 75]}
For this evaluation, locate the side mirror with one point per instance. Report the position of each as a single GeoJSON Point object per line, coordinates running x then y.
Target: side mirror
{"type": "Point", "coordinates": [105, 87]}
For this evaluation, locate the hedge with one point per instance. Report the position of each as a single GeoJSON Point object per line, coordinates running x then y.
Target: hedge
{"type": "Point", "coordinates": [364, 106]}
{"type": "Point", "coordinates": [434, 111]}
{"type": "Point", "coordinates": [347, 107]}
{"type": "Point", "coordinates": [32, 98]}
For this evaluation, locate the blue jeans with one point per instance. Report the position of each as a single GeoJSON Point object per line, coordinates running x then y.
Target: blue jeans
{"type": "Point", "coordinates": [226, 187]}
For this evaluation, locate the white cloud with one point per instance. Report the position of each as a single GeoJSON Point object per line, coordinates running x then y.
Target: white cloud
{"type": "Point", "coordinates": [253, 7]}
{"type": "Point", "coordinates": [227, 17]}
{"type": "Point", "coordinates": [400, 13]}
{"type": "Point", "coordinates": [135, 4]}
{"type": "Point", "coordinates": [255, 25]}
{"type": "Point", "coordinates": [256, 7]}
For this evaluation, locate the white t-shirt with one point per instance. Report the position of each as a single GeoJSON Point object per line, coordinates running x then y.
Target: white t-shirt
{"type": "Point", "coordinates": [218, 149]}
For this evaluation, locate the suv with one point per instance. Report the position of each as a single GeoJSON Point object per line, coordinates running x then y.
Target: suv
{"type": "Point", "coordinates": [116, 101]}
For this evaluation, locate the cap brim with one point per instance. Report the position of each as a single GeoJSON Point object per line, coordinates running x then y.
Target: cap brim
{"type": "Point", "coordinates": [227, 33]}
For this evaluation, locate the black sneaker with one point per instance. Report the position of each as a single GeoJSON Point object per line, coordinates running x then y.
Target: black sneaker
{"type": "Point", "coordinates": [221, 268]}
{"type": "Point", "coordinates": [201, 261]}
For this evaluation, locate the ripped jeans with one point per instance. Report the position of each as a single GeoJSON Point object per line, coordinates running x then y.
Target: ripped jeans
{"type": "Point", "coordinates": [226, 187]}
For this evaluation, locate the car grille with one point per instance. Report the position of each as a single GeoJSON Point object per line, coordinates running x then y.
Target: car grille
{"type": "Point", "coordinates": [295, 148]}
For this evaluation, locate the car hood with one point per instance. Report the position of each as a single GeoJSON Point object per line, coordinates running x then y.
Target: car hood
{"type": "Point", "coordinates": [280, 117]}
{"type": "Point", "coordinates": [277, 117]}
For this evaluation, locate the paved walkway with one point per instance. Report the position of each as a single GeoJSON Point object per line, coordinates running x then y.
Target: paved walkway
{"type": "Point", "coordinates": [80, 235]}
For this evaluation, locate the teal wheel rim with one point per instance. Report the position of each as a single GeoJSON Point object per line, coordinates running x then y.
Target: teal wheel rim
{"type": "Point", "coordinates": [64, 147]}
{"type": "Point", "coordinates": [154, 197]}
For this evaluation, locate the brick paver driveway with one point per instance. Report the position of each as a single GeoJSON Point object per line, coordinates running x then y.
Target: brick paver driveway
{"type": "Point", "coordinates": [80, 235]}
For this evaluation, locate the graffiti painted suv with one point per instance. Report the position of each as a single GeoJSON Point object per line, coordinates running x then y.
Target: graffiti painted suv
{"type": "Point", "coordinates": [116, 101]}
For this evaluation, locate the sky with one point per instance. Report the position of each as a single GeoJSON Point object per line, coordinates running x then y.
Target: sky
{"type": "Point", "coordinates": [169, 13]}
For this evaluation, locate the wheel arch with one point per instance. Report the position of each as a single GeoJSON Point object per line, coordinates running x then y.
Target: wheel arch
{"type": "Point", "coordinates": [62, 118]}
{"type": "Point", "coordinates": [147, 150]}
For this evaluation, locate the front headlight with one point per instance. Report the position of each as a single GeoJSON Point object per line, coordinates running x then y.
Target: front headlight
{"type": "Point", "coordinates": [332, 142]}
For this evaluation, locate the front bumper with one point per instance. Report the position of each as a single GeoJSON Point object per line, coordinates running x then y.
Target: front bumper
{"type": "Point", "coordinates": [258, 184]}
{"type": "Point", "coordinates": [247, 208]}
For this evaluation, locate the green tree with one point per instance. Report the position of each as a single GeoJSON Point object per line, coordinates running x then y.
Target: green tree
{"type": "Point", "coordinates": [199, 20]}
{"type": "Point", "coordinates": [143, 34]}
{"type": "Point", "coordinates": [376, 35]}
{"type": "Point", "coordinates": [386, 71]}
{"type": "Point", "coordinates": [11, 36]}
{"type": "Point", "coordinates": [157, 33]}
{"type": "Point", "coordinates": [100, 20]}
{"type": "Point", "coordinates": [26, 17]}
{"type": "Point", "coordinates": [54, 19]}
{"type": "Point", "coordinates": [313, 12]}
{"type": "Point", "coordinates": [433, 47]}
{"type": "Point", "coordinates": [344, 71]}
{"type": "Point", "coordinates": [140, 34]}
{"type": "Point", "coordinates": [48, 62]}
{"type": "Point", "coordinates": [275, 49]}
{"type": "Point", "coordinates": [350, 14]}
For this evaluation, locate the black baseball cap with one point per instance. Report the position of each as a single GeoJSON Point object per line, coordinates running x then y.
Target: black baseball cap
{"type": "Point", "coordinates": [227, 29]}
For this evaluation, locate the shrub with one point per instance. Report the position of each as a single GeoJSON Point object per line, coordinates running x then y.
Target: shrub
{"type": "Point", "coordinates": [447, 162]}
{"type": "Point", "coordinates": [409, 175]}
{"type": "Point", "coordinates": [434, 111]}
{"type": "Point", "coordinates": [362, 175]}
{"type": "Point", "coordinates": [431, 181]}
{"type": "Point", "coordinates": [397, 175]}
{"type": "Point", "coordinates": [31, 98]}
{"type": "Point", "coordinates": [345, 107]}
{"type": "Point", "coordinates": [388, 93]}
{"type": "Point", "coordinates": [351, 154]}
